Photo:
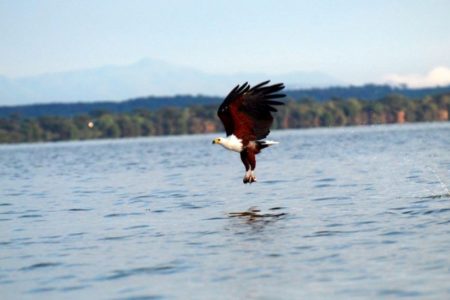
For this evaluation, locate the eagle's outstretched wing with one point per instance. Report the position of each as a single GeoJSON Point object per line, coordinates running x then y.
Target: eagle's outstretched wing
{"type": "Point", "coordinates": [246, 111]}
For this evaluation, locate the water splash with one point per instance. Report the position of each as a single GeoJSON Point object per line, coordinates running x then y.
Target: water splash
{"type": "Point", "coordinates": [441, 182]}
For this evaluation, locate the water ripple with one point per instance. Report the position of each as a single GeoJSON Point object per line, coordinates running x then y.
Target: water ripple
{"type": "Point", "coordinates": [145, 297]}
{"type": "Point", "coordinates": [154, 270]}
{"type": "Point", "coordinates": [40, 266]}
{"type": "Point", "coordinates": [30, 216]}
{"type": "Point", "coordinates": [115, 238]}
{"type": "Point", "coordinates": [136, 227]}
{"type": "Point", "coordinates": [74, 288]}
{"type": "Point", "coordinates": [113, 215]}
{"type": "Point", "coordinates": [79, 209]}
{"type": "Point", "coordinates": [338, 198]}
{"type": "Point", "coordinates": [41, 290]}
{"type": "Point", "coordinates": [399, 293]}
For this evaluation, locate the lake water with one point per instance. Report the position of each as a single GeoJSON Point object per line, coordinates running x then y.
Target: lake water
{"type": "Point", "coordinates": [344, 213]}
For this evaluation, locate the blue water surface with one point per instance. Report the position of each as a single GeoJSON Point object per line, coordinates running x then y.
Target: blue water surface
{"type": "Point", "coordinates": [342, 213]}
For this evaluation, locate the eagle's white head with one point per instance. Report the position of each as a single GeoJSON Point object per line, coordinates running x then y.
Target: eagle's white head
{"type": "Point", "coordinates": [217, 140]}
{"type": "Point", "coordinates": [231, 143]}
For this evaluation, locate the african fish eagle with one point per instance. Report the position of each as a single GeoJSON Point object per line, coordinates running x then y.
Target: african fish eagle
{"type": "Point", "coordinates": [246, 116]}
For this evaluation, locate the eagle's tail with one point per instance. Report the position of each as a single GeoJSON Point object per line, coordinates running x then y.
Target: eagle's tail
{"type": "Point", "coordinates": [265, 144]}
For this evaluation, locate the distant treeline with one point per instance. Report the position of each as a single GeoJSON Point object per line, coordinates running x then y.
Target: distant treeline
{"type": "Point", "coordinates": [152, 103]}
{"type": "Point", "coordinates": [202, 119]}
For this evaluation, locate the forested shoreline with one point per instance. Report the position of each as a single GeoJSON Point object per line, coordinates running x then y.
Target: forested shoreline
{"type": "Point", "coordinates": [152, 103]}
{"type": "Point", "coordinates": [302, 113]}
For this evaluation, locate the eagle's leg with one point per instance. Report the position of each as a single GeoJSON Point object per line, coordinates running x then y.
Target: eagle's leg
{"type": "Point", "coordinates": [251, 158]}
{"type": "Point", "coordinates": [247, 166]}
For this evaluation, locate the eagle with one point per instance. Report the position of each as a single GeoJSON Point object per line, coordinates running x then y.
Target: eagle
{"type": "Point", "coordinates": [246, 114]}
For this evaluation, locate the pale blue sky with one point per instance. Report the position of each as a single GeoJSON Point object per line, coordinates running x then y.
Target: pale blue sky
{"type": "Point", "coordinates": [354, 41]}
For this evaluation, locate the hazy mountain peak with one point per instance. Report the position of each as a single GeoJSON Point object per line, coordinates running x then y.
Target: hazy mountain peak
{"type": "Point", "coordinates": [144, 77]}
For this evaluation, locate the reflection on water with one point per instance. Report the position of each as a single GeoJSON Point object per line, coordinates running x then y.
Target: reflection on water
{"type": "Point", "coordinates": [337, 213]}
{"type": "Point", "coordinates": [254, 214]}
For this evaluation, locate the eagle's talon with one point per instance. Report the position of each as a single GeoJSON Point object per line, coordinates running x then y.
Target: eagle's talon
{"type": "Point", "coordinates": [250, 178]}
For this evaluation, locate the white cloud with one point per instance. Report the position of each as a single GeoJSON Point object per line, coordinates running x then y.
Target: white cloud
{"type": "Point", "coordinates": [437, 76]}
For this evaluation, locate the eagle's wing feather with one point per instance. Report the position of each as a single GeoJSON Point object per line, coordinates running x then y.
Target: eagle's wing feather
{"type": "Point", "coordinates": [224, 110]}
{"type": "Point", "coordinates": [246, 111]}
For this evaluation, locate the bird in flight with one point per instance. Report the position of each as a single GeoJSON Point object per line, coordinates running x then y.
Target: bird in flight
{"type": "Point", "coordinates": [246, 114]}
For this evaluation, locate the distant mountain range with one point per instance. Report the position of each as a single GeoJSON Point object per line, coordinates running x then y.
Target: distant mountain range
{"type": "Point", "coordinates": [365, 92]}
{"type": "Point", "coordinates": [146, 77]}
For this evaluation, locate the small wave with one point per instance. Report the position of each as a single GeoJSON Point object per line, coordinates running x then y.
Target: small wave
{"type": "Point", "coordinates": [84, 192]}
{"type": "Point", "coordinates": [436, 211]}
{"type": "Point", "coordinates": [396, 233]}
{"type": "Point", "coordinates": [74, 288]}
{"type": "Point", "coordinates": [414, 211]}
{"type": "Point", "coordinates": [50, 237]}
{"type": "Point", "coordinates": [325, 257]}
{"type": "Point", "coordinates": [305, 247]}
{"type": "Point", "coordinates": [329, 179]}
{"type": "Point", "coordinates": [439, 196]}
{"type": "Point", "coordinates": [364, 222]}
{"type": "Point", "coordinates": [77, 234]}
{"type": "Point", "coordinates": [41, 290]}
{"type": "Point", "coordinates": [399, 293]}
{"type": "Point", "coordinates": [274, 255]}
{"type": "Point", "coordinates": [331, 198]}
{"type": "Point", "coordinates": [322, 185]}
{"type": "Point", "coordinates": [189, 206]}
{"type": "Point", "coordinates": [213, 219]}
{"type": "Point", "coordinates": [115, 238]}
{"type": "Point", "coordinates": [176, 195]}
{"type": "Point", "coordinates": [156, 270]}
{"type": "Point", "coordinates": [113, 215]}
{"type": "Point", "coordinates": [140, 199]}
{"type": "Point", "coordinates": [136, 227]}
{"type": "Point", "coordinates": [40, 266]}
{"type": "Point", "coordinates": [13, 194]}
{"type": "Point", "coordinates": [325, 233]}
{"type": "Point", "coordinates": [30, 216]}
{"type": "Point", "coordinates": [79, 209]}
{"type": "Point", "coordinates": [145, 297]}
{"type": "Point", "coordinates": [276, 208]}
{"type": "Point", "coordinates": [274, 181]}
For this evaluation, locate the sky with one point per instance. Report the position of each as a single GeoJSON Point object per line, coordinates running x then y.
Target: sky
{"type": "Point", "coordinates": [354, 41]}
